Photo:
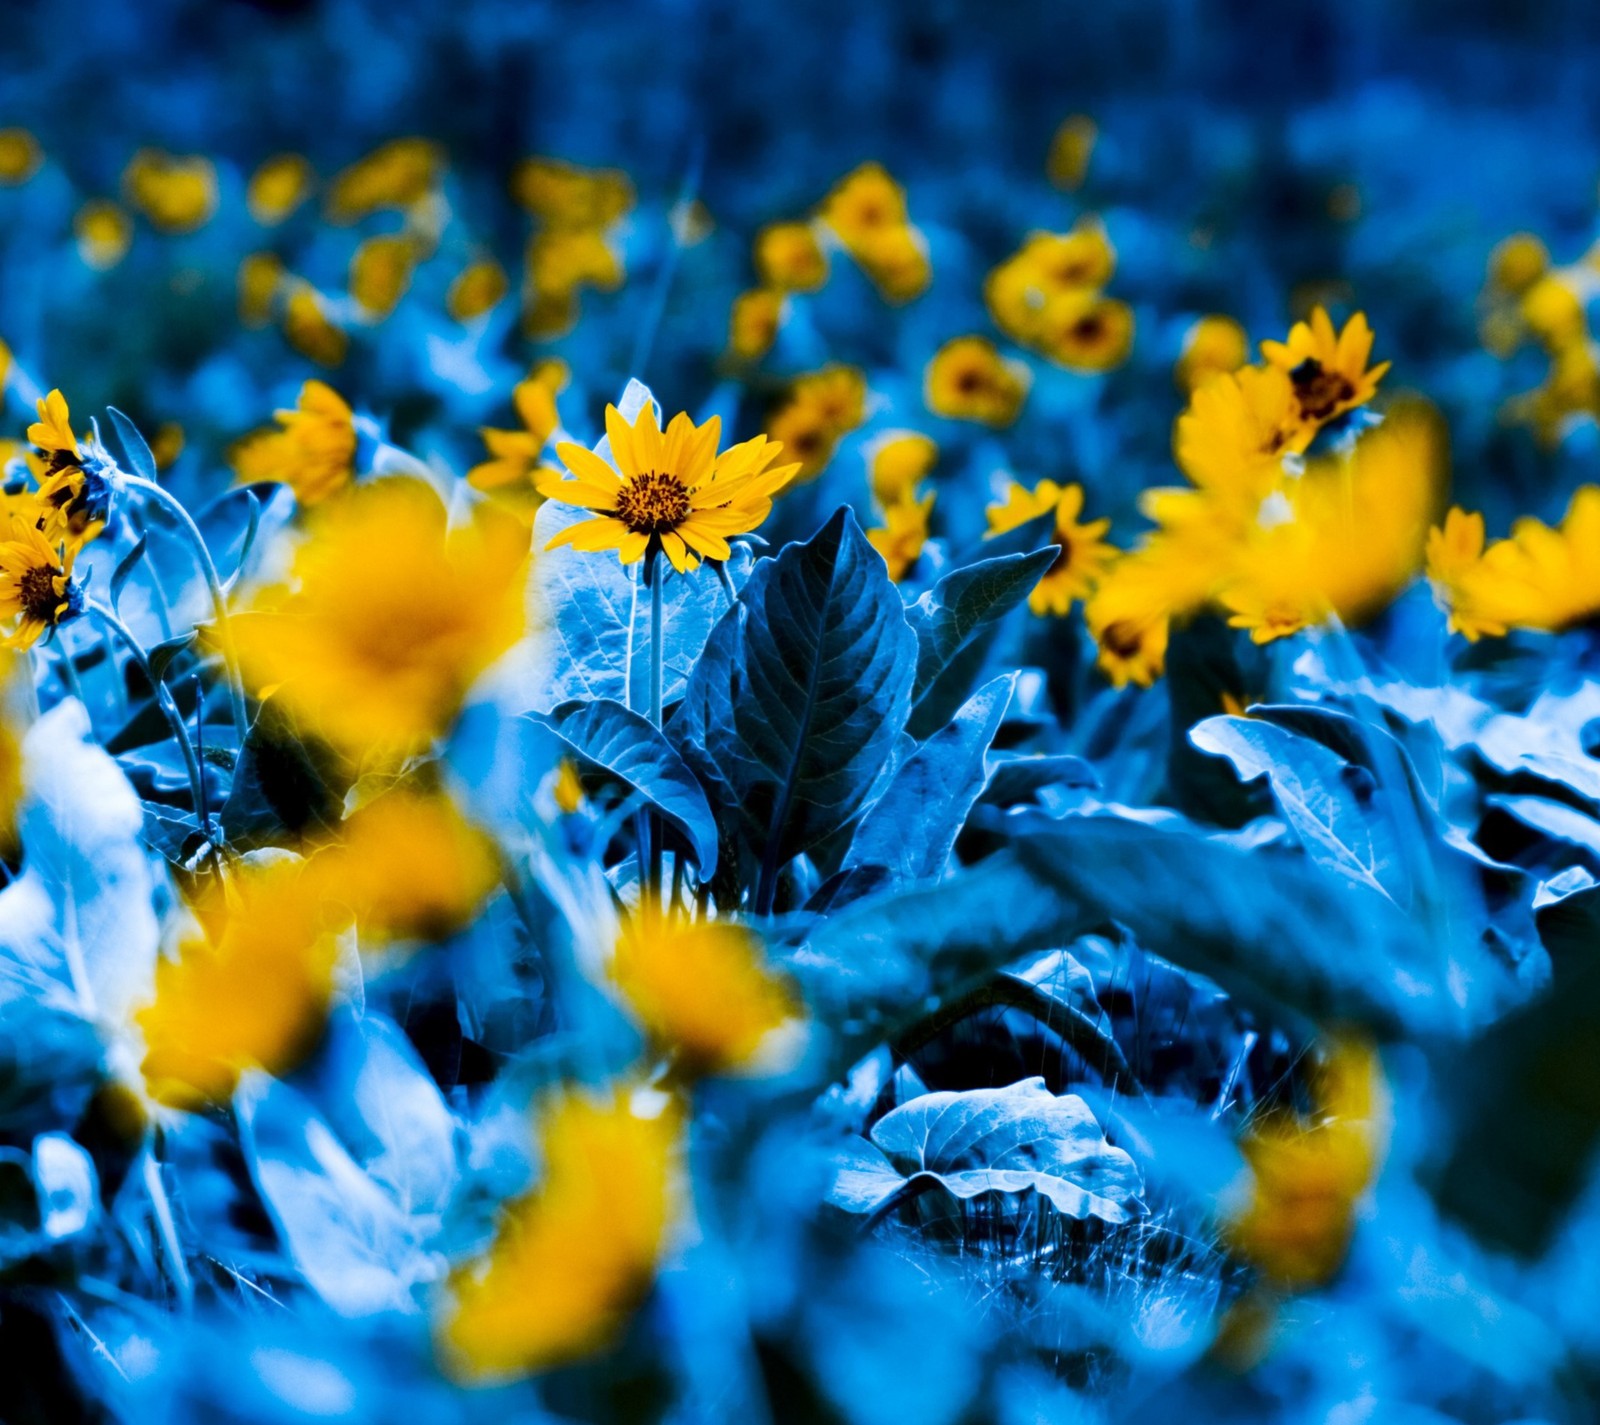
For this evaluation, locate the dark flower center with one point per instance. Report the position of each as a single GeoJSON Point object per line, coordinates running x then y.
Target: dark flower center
{"type": "Point", "coordinates": [36, 591]}
{"type": "Point", "coordinates": [1319, 391]}
{"type": "Point", "coordinates": [652, 502]}
{"type": "Point", "coordinates": [1063, 560]}
{"type": "Point", "coordinates": [1123, 637]}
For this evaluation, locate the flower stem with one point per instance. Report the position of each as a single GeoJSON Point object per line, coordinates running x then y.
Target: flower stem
{"type": "Point", "coordinates": [169, 709]}
{"type": "Point", "coordinates": [654, 577]}
{"type": "Point", "coordinates": [219, 600]}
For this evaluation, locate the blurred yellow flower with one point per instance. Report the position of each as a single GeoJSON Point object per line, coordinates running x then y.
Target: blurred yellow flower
{"type": "Point", "coordinates": [572, 1259]}
{"type": "Point", "coordinates": [820, 407]}
{"type": "Point", "coordinates": [1213, 346]}
{"type": "Point", "coordinates": [1084, 554]}
{"type": "Point", "coordinates": [1068, 161]}
{"type": "Point", "coordinates": [753, 323]}
{"type": "Point", "coordinates": [177, 193]}
{"type": "Point", "coordinates": [903, 533]}
{"type": "Point", "coordinates": [1047, 269]}
{"type": "Point", "coordinates": [515, 453]}
{"type": "Point", "coordinates": [1455, 568]}
{"type": "Point", "coordinates": [313, 451]}
{"type": "Point", "coordinates": [568, 790]}
{"type": "Point", "coordinates": [278, 187]}
{"type": "Point", "coordinates": [1329, 371]}
{"type": "Point", "coordinates": [248, 988]}
{"type": "Point", "coordinates": [561, 260]}
{"type": "Point", "coordinates": [1307, 1175]}
{"type": "Point", "coordinates": [565, 196]}
{"type": "Point", "coordinates": [308, 330]}
{"type": "Point", "coordinates": [409, 866]}
{"type": "Point", "coordinates": [1238, 427]}
{"type": "Point", "coordinates": [396, 175]}
{"type": "Point", "coordinates": [1552, 310]}
{"type": "Point", "coordinates": [380, 272]}
{"type": "Point", "coordinates": [104, 232]}
{"type": "Point", "coordinates": [480, 287]}
{"type": "Point", "coordinates": [388, 619]}
{"type": "Point", "coordinates": [896, 462]}
{"type": "Point", "coordinates": [789, 258]}
{"type": "Point", "coordinates": [703, 991]}
{"type": "Point", "coordinates": [670, 490]}
{"type": "Point", "coordinates": [1132, 640]}
{"type": "Point", "coordinates": [1517, 262]}
{"type": "Point", "coordinates": [896, 261]}
{"type": "Point", "coordinates": [20, 156]}
{"type": "Point", "coordinates": [260, 275]}
{"type": "Point", "coordinates": [969, 380]}
{"type": "Point", "coordinates": [1089, 333]}
{"type": "Point", "coordinates": [866, 212]}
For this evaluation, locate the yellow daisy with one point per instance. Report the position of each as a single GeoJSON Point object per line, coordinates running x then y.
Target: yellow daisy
{"type": "Point", "coordinates": [313, 451]}
{"type": "Point", "coordinates": [1084, 553]}
{"type": "Point", "coordinates": [36, 585]}
{"type": "Point", "coordinates": [668, 490]}
{"type": "Point", "coordinates": [1329, 370]}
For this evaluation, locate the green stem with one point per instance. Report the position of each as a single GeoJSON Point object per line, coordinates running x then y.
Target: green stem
{"type": "Point", "coordinates": [219, 600]}
{"type": "Point", "coordinates": [169, 709]}
{"type": "Point", "coordinates": [654, 577]}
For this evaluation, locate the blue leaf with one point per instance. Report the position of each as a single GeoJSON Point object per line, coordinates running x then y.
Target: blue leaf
{"type": "Point", "coordinates": [913, 825]}
{"type": "Point", "coordinates": [134, 445]}
{"type": "Point", "coordinates": [794, 710]}
{"type": "Point", "coordinates": [637, 753]}
{"type": "Point", "coordinates": [950, 622]}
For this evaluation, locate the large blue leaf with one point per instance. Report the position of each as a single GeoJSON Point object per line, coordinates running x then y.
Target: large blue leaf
{"type": "Point", "coordinates": [794, 711]}
{"type": "Point", "coordinates": [913, 825]}
{"type": "Point", "coordinates": [950, 622]}
{"type": "Point", "coordinates": [637, 753]}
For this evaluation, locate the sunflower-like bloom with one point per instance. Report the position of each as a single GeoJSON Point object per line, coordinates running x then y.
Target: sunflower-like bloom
{"type": "Point", "coordinates": [753, 323]}
{"type": "Point", "coordinates": [313, 452]}
{"type": "Point", "coordinates": [36, 585]}
{"type": "Point", "coordinates": [1516, 263]}
{"type": "Point", "coordinates": [1460, 580]}
{"type": "Point", "coordinates": [969, 380]}
{"type": "Point", "coordinates": [380, 272]}
{"type": "Point", "coordinates": [896, 462]}
{"type": "Point", "coordinates": [903, 533]}
{"type": "Point", "coordinates": [1329, 370]}
{"type": "Point", "coordinates": [1129, 620]}
{"type": "Point", "coordinates": [1307, 1175]}
{"type": "Point", "coordinates": [572, 1259]}
{"type": "Point", "coordinates": [278, 187]}
{"type": "Point", "coordinates": [409, 866]}
{"type": "Point", "coordinates": [310, 331]}
{"type": "Point", "coordinates": [478, 288]}
{"type": "Point", "coordinates": [820, 409]}
{"type": "Point", "coordinates": [249, 989]}
{"type": "Point", "coordinates": [560, 261]}
{"type": "Point", "coordinates": [1213, 346]}
{"type": "Point", "coordinates": [388, 619]}
{"type": "Point", "coordinates": [73, 500]}
{"type": "Point", "coordinates": [20, 156]}
{"type": "Point", "coordinates": [866, 212]}
{"type": "Point", "coordinates": [514, 454]}
{"type": "Point", "coordinates": [562, 195]}
{"type": "Point", "coordinates": [670, 491]}
{"type": "Point", "coordinates": [1232, 439]}
{"type": "Point", "coordinates": [1084, 555]}
{"type": "Point", "coordinates": [1048, 268]}
{"type": "Point", "coordinates": [177, 193]}
{"type": "Point", "coordinates": [1090, 333]}
{"type": "Point", "coordinates": [789, 258]}
{"type": "Point", "coordinates": [398, 174]}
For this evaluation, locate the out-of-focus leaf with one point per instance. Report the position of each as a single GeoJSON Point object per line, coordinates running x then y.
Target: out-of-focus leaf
{"type": "Point", "coordinates": [1008, 1140]}
{"type": "Point", "coordinates": [801, 695]}
{"type": "Point", "coordinates": [1016, 778]}
{"type": "Point", "coordinates": [950, 620]}
{"type": "Point", "coordinates": [631, 749]}
{"type": "Point", "coordinates": [912, 826]}
{"type": "Point", "coordinates": [277, 786]}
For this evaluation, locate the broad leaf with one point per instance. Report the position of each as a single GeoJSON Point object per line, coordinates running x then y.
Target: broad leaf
{"type": "Point", "coordinates": [913, 825]}
{"type": "Point", "coordinates": [629, 748]}
{"type": "Point", "coordinates": [1008, 1140]}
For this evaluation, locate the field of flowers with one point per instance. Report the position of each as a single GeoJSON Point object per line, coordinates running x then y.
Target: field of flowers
{"type": "Point", "coordinates": [885, 713]}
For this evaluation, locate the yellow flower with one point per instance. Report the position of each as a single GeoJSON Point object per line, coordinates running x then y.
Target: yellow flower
{"type": "Point", "coordinates": [248, 989]}
{"type": "Point", "coordinates": [896, 261]}
{"type": "Point", "coordinates": [566, 196]}
{"type": "Point", "coordinates": [1047, 268]}
{"type": "Point", "coordinates": [561, 260]}
{"type": "Point", "coordinates": [1329, 372]}
{"type": "Point", "coordinates": [36, 587]}
{"type": "Point", "coordinates": [380, 272]}
{"type": "Point", "coordinates": [1552, 310]}
{"type": "Point", "coordinates": [18, 707]}
{"type": "Point", "coordinates": [789, 258]}
{"type": "Point", "coordinates": [260, 275]}
{"type": "Point", "coordinates": [1091, 333]}
{"type": "Point", "coordinates": [896, 462]}
{"type": "Point", "coordinates": [903, 533]}
{"type": "Point", "coordinates": [103, 232]}
{"type": "Point", "coordinates": [313, 451]}
{"type": "Point", "coordinates": [1306, 1176]}
{"type": "Point", "coordinates": [703, 991]}
{"type": "Point", "coordinates": [1131, 650]}
{"type": "Point", "coordinates": [1084, 554]}
{"type": "Point", "coordinates": [572, 1259]}
{"type": "Point", "coordinates": [753, 323]}
{"type": "Point", "coordinates": [1212, 346]}
{"type": "Point", "coordinates": [1517, 262]}
{"type": "Point", "coordinates": [308, 330]}
{"type": "Point", "coordinates": [670, 491]}
{"type": "Point", "coordinates": [20, 156]}
{"type": "Point", "coordinates": [396, 175]}
{"type": "Point", "coordinates": [409, 866]}
{"type": "Point", "coordinates": [568, 790]}
{"type": "Point", "coordinates": [389, 618]}
{"type": "Point", "coordinates": [969, 380]}
{"type": "Point", "coordinates": [72, 503]}
{"type": "Point", "coordinates": [178, 194]}
{"type": "Point", "coordinates": [1456, 570]}
{"type": "Point", "coordinates": [1571, 390]}
{"type": "Point", "coordinates": [1070, 149]}
{"type": "Point", "coordinates": [821, 406]}
{"type": "Point", "coordinates": [515, 453]}
{"type": "Point", "coordinates": [1237, 429]}
{"type": "Point", "coordinates": [865, 203]}
{"type": "Point", "coordinates": [279, 186]}
{"type": "Point", "coordinates": [480, 287]}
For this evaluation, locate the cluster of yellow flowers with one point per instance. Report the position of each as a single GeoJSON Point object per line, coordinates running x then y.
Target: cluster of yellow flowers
{"type": "Point", "coordinates": [576, 211]}
{"type": "Point", "coordinates": [1524, 297]}
{"type": "Point", "coordinates": [818, 410]}
{"type": "Point", "coordinates": [897, 464]}
{"type": "Point", "coordinates": [1276, 536]}
{"type": "Point", "coordinates": [1049, 297]}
